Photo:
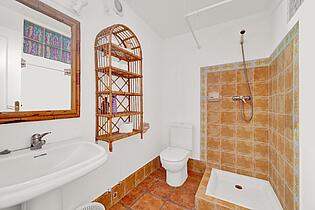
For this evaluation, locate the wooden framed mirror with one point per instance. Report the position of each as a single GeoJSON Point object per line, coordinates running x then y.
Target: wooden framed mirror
{"type": "Point", "coordinates": [39, 63]}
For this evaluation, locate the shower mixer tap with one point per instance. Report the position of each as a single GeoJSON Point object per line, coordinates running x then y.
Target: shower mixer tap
{"type": "Point", "coordinates": [244, 99]}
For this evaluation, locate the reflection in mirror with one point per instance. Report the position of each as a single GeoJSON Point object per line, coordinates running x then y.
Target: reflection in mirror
{"type": "Point", "coordinates": [35, 60]}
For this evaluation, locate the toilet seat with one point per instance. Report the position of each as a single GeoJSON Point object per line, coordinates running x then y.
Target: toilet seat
{"type": "Point", "coordinates": [173, 154]}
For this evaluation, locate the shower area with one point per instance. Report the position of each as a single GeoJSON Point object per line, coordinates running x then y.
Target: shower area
{"type": "Point", "coordinates": [249, 118]}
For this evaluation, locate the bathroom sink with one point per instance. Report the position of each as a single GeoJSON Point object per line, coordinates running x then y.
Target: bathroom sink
{"type": "Point", "coordinates": [26, 174]}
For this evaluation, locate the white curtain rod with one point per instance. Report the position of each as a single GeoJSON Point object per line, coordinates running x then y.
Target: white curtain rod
{"type": "Point", "coordinates": [208, 7]}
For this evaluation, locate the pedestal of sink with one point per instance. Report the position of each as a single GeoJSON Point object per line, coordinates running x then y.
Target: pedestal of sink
{"type": "Point", "coordinates": [34, 178]}
{"type": "Point", "coordinates": [53, 198]}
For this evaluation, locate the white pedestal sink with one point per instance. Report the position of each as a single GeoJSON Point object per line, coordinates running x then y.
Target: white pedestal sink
{"type": "Point", "coordinates": [27, 174]}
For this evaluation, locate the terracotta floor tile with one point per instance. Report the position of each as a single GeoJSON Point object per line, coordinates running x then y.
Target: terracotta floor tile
{"type": "Point", "coordinates": [160, 174]}
{"type": "Point", "coordinates": [154, 193]}
{"type": "Point", "coordinates": [191, 183]}
{"type": "Point", "coordinates": [148, 202]}
{"type": "Point", "coordinates": [195, 175]}
{"type": "Point", "coordinates": [132, 196]}
{"type": "Point", "coordinates": [161, 189]}
{"type": "Point", "coordinates": [184, 197]}
{"type": "Point", "coordinates": [118, 206]}
{"type": "Point", "coordinates": [171, 206]}
{"type": "Point", "coordinates": [148, 182]}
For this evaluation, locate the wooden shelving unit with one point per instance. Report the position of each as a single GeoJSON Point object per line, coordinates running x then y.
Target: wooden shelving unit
{"type": "Point", "coordinates": [118, 73]}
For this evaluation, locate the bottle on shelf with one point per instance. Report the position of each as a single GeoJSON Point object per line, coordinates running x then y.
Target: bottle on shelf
{"type": "Point", "coordinates": [114, 104]}
{"type": "Point", "coordinates": [104, 106]}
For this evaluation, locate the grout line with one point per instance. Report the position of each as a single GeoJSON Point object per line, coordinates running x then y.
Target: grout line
{"type": "Point", "coordinates": [165, 200]}
{"type": "Point", "coordinates": [140, 196]}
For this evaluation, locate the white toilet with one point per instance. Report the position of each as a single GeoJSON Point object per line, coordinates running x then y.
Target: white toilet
{"type": "Point", "coordinates": [175, 157]}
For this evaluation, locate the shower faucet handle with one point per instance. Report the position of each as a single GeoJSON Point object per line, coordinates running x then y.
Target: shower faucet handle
{"type": "Point", "coordinates": [244, 99]}
{"type": "Point", "coordinates": [236, 98]}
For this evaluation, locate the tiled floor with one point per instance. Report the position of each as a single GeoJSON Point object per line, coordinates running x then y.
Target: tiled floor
{"type": "Point", "coordinates": [154, 194]}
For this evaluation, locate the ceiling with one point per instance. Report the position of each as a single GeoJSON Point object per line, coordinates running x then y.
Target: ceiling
{"type": "Point", "coordinates": [167, 17]}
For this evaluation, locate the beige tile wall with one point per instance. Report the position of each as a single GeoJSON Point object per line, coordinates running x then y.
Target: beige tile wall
{"type": "Point", "coordinates": [268, 146]}
{"type": "Point", "coordinates": [234, 144]}
{"type": "Point", "coordinates": [283, 117]}
{"type": "Point", "coordinates": [196, 166]}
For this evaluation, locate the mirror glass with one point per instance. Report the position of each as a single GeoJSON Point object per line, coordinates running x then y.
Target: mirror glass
{"type": "Point", "coordinates": [35, 60]}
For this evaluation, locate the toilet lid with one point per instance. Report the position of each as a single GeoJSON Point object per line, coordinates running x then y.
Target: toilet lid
{"type": "Point", "coordinates": [174, 154]}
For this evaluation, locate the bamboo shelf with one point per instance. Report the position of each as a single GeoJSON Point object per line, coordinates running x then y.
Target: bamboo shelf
{"type": "Point", "coordinates": [120, 72]}
{"type": "Point", "coordinates": [121, 84]}
{"type": "Point", "coordinates": [119, 93]}
{"type": "Point", "coordinates": [117, 136]}
{"type": "Point", "coordinates": [120, 114]}
{"type": "Point", "coordinates": [118, 52]}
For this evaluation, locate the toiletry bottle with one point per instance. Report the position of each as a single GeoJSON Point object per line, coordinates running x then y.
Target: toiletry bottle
{"type": "Point", "coordinates": [104, 106]}
{"type": "Point", "coordinates": [114, 104]}
{"type": "Point", "coordinates": [99, 106]}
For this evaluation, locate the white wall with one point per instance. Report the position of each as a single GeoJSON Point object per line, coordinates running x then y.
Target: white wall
{"type": "Point", "coordinates": [219, 45]}
{"type": "Point", "coordinates": [306, 17]}
{"type": "Point", "coordinates": [307, 104]}
{"type": "Point", "coordinates": [129, 154]}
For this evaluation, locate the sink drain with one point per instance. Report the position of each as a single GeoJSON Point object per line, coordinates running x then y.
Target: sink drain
{"type": "Point", "coordinates": [239, 187]}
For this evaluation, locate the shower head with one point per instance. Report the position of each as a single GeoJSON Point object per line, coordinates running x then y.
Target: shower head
{"type": "Point", "coordinates": [242, 36]}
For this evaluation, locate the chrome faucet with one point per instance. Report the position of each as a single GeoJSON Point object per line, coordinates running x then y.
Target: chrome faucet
{"type": "Point", "coordinates": [37, 141]}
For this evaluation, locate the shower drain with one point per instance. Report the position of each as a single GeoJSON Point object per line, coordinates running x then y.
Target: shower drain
{"type": "Point", "coordinates": [239, 187]}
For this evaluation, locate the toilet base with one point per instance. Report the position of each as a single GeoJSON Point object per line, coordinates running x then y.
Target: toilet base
{"type": "Point", "coordinates": [176, 179]}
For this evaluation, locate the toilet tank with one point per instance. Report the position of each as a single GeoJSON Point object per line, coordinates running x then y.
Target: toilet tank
{"type": "Point", "coordinates": [181, 135]}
